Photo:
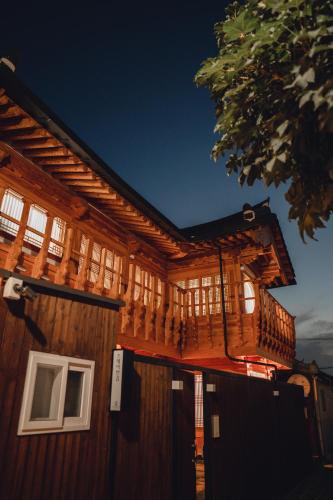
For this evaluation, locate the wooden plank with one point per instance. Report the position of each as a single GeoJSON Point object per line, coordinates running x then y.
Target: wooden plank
{"type": "Point", "coordinates": [184, 480]}
{"type": "Point", "coordinates": [144, 437]}
{"type": "Point", "coordinates": [62, 465]}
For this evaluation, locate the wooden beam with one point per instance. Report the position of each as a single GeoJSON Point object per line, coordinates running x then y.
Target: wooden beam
{"type": "Point", "coordinates": [48, 152]}
{"type": "Point", "coordinates": [18, 122]}
{"type": "Point", "coordinates": [76, 176]}
{"type": "Point", "coordinates": [28, 133]}
{"type": "Point", "coordinates": [36, 143]}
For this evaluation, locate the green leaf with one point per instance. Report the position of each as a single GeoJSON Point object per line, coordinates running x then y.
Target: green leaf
{"type": "Point", "coordinates": [236, 29]}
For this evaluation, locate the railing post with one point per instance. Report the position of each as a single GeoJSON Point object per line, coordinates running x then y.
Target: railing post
{"type": "Point", "coordinates": [40, 259]}
{"type": "Point", "coordinates": [15, 250]}
{"type": "Point", "coordinates": [63, 269]}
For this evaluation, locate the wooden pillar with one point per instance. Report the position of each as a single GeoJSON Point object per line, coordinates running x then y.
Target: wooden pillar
{"type": "Point", "coordinates": [63, 269]}
{"type": "Point", "coordinates": [81, 279]}
{"type": "Point", "coordinates": [40, 259]}
{"type": "Point", "coordinates": [99, 285]}
{"type": "Point", "coordinates": [17, 245]}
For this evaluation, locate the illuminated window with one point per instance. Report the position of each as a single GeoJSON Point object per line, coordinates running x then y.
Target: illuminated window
{"type": "Point", "coordinates": [95, 262]}
{"type": "Point", "coordinates": [113, 268]}
{"type": "Point", "coordinates": [159, 293]}
{"type": "Point", "coordinates": [137, 285]}
{"type": "Point", "coordinates": [57, 394]}
{"type": "Point", "coordinates": [36, 225]}
{"type": "Point", "coordinates": [249, 295]}
{"type": "Point", "coordinates": [148, 283]}
{"type": "Point", "coordinates": [206, 291]}
{"type": "Point", "coordinates": [58, 231]}
{"type": "Point", "coordinates": [11, 212]}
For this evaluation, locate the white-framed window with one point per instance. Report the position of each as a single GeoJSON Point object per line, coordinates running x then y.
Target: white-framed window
{"type": "Point", "coordinates": [57, 394]}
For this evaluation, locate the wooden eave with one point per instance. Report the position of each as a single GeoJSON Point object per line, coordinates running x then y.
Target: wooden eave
{"type": "Point", "coordinates": [41, 137]}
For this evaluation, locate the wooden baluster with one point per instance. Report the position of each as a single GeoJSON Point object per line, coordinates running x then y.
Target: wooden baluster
{"type": "Point", "coordinates": [15, 250]}
{"type": "Point", "coordinates": [99, 285]}
{"type": "Point", "coordinates": [208, 317]}
{"type": "Point", "coordinates": [40, 259]}
{"type": "Point", "coordinates": [115, 291]}
{"type": "Point", "coordinates": [139, 309]}
{"type": "Point", "coordinates": [150, 332]}
{"type": "Point", "coordinates": [177, 334]}
{"type": "Point", "coordinates": [160, 316]}
{"type": "Point", "coordinates": [81, 279]}
{"type": "Point", "coordinates": [127, 312]}
{"type": "Point", "coordinates": [63, 269]}
{"type": "Point", "coordinates": [239, 291]}
{"type": "Point", "coordinates": [169, 318]}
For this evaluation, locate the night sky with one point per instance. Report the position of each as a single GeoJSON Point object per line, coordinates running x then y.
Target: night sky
{"type": "Point", "coordinates": [121, 76]}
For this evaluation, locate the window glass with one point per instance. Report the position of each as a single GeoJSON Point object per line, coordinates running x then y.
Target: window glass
{"type": "Point", "coordinates": [12, 205]}
{"type": "Point", "coordinates": [249, 296]}
{"type": "Point", "coordinates": [73, 394]}
{"type": "Point", "coordinates": [46, 394]}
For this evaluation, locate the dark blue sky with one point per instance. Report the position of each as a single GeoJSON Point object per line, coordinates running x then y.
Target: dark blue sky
{"type": "Point", "coordinates": [121, 76]}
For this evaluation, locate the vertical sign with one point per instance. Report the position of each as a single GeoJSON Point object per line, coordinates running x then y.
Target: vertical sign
{"type": "Point", "coordinates": [215, 426]}
{"type": "Point", "coordinates": [117, 379]}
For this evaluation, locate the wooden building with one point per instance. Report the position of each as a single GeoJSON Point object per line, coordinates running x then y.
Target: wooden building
{"type": "Point", "coordinates": [72, 229]}
{"type": "Point", "coordinates": [66, 217]}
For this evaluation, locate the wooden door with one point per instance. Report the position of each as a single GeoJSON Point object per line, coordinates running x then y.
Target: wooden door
{"type": "Point", "coordinates": [262, 448]}
{"type": "Point", "coordinates": [184, 438]}
{"type": "Point", "coordinates": [240, 462]}
{"type": "Point", "coordinates": [153, 437]}
{"type": "Point", "coordinates": [142, 440]}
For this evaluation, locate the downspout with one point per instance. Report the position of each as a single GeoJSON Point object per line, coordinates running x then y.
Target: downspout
{"type": "Point", "coordinates": [225, 324]}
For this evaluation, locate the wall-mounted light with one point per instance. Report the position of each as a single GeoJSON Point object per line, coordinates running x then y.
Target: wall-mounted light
{"type": "Point", "coordinates": [14, 289]}
{"type": "Point", "coordinates": [248, 213]}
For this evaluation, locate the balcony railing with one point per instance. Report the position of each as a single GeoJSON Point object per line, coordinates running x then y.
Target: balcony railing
{"type": "Point", "coordinates": [276, 326]}
{"type": "Point", "coordinates": [168, 318]}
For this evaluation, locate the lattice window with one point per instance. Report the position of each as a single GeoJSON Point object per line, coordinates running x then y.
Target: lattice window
{"type": "Point", "coordinates": [11, 212]}
{"type": "Point", "coordinates": [178, 301]}
{"type": "Point", "coordinates": [159, 293]}
{"type": "Point", "coordinates": [206, 290]}
{"type": "Point", "coordinates": [113, 264]}
{"type": "Point", "coordinates": [95, 261]}
{"type": "Point", "coordinates": [248, 294]}
{"type": "Point", "coordinates": [36, 226]}
{"type": "Point", "coordinates": [58, 232]}
{"type": "Point", "coordinates": [113, 268]}
{"type": "Point", "coordinates": [84, 244]}
{"type": "Point", "coordinates": [148, 284]}
{"type": "Point", "coordinates": [137, 282]}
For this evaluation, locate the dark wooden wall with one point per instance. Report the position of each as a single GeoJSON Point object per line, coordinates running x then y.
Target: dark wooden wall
{"type": "Point", "coordinates": [263, 449]}
{"type": "Point", "coordinates": [143, 454]}
{"type": "Point", "coordinates": [69, 465]}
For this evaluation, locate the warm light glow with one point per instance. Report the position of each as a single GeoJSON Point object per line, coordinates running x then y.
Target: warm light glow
{"type": "Point", "coordinates": [249, 297]}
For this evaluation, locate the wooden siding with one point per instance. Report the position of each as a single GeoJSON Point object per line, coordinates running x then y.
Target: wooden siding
{"type": "Point", "coordinates": [93, 253]}
{"type": "Point", "coordinates": [263, 448]}
{"type": "Point", "coordinates": [143, 453]}
{"type": "Point", "coordinates": [69, 465]}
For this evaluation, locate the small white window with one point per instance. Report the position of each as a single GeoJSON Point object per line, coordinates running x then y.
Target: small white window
{"type": "Point", "coordinates": [57, 394]}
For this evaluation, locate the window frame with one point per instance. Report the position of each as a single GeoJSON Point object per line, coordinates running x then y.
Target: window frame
{"type": "Point", "coordinates": [26, 425]}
